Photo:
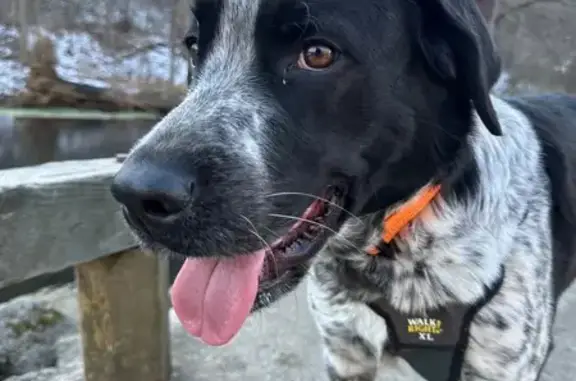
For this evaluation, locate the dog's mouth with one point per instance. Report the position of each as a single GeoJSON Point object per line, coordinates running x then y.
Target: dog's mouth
{"type": "Point", "coordinates": [304, 239]}
{"type": "Point", "coordinates": [212, 297]}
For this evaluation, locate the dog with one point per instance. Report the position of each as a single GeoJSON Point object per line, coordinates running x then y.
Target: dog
{"type": "Point", "coordinates": [386, 171]}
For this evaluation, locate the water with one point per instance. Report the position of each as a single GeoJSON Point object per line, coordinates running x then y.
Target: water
{"type": "Point", "coordinates": [30, 140]}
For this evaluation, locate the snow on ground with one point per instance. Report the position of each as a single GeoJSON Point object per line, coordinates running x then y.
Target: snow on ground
{"type": "Point", "coordinates": [82, 59]}
{"type": "Point", "coordinates": [13, 77]}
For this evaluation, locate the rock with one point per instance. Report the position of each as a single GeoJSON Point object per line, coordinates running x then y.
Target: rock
{"type": "Point", "coordinates": [70, 362]}
{"type": "Point", "coordinates": [28, 335]}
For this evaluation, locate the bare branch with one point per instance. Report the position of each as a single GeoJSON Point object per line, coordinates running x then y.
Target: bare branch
{"type": "Point", "coordinates": [145, 48]}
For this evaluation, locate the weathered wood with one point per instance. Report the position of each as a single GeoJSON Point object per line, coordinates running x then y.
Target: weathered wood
{"type": "Point", "coordinates": [123, 302]}
{"type": "Point", "coordinates": [56, 215]}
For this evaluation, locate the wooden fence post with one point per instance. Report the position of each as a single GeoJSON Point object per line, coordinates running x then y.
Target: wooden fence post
{"type": "Point", "coordinates": [123, 300]}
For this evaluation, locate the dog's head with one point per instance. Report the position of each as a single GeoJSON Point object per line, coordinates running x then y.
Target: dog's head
{"type": "Point", "coordinates": [302, 114]}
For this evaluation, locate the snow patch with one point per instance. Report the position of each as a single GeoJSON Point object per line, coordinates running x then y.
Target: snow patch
{"type": "Point", "coordinates": [82, 59]}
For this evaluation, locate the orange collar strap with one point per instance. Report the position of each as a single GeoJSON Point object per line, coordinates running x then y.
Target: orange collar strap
{"type": "Point", "coordinates": [401, 217]}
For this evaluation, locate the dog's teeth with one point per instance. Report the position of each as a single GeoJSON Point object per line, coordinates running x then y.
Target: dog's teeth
{"type": "Point", "coordinates": [281, 246]}
{"type": "Point", "coordinates": [308, 235]}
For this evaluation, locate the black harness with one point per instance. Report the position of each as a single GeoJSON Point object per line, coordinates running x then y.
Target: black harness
{"type": "Point", "coordinates": [434, 342]}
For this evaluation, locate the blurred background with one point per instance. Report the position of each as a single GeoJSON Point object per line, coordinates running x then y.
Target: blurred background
{"type": "Point", "coordinates": [131, 48]}
{"type": "Point", "coordinates": [537, 42]}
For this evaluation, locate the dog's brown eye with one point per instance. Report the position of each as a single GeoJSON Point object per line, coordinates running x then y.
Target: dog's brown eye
{"type": "Point", "coordinates": [316, 57]}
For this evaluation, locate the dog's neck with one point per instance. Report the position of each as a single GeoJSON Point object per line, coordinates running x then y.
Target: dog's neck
{"type": "Point", "coordinates": [457, 245]}
{"type": "Point", "coordinates": [454, 166]}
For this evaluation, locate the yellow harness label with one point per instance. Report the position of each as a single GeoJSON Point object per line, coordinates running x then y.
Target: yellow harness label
{"type": "Point", "coordinates": [425, 328]}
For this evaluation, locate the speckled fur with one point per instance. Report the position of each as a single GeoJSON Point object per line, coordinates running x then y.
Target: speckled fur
{"type": "Point", "coordinates": [448, 255]}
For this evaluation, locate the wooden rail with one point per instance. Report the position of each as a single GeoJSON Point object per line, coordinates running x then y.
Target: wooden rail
{"type": "Point", "coordinates": [61, 214]}
{"type": "Point", "coordinates": [76, 114]}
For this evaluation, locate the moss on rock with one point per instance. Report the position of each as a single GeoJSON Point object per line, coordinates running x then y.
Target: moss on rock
{"type": "Point", "coordinates": [37, 321]}
{"type": "Point", "coordinates": [28, 332]}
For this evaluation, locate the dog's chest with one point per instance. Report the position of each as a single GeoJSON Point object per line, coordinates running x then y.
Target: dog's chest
{"type": "Point", "coordinates": [502, 332]}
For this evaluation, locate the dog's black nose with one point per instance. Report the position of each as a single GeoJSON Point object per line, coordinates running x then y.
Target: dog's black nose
{"type": "Point", "coordinates": [151, 192]}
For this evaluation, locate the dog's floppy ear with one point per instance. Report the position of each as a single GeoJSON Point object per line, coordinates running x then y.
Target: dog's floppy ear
{"type": "Point", "coordinates": [458, 47]}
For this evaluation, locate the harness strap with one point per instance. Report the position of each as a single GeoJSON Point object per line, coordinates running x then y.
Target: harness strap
{"type": "Point", "coordinates": [435, 342]}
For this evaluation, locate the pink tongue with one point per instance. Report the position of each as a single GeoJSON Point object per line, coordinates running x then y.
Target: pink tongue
{"type": "Point", "coordinates": [213, 297]}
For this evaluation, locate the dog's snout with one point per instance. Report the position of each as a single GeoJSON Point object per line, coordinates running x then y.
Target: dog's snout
{"type": "Point", "coordinates": [152, 192]}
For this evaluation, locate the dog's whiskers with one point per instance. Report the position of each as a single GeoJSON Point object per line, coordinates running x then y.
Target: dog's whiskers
{"type": "Point", "coordinates": [294, 218]}
{"type": "Point", "coordinates": [272, 232]}
{"type": "Point", "coordinates": [254, 232]}
{"type": "Point", "coordinates": [331, 203]}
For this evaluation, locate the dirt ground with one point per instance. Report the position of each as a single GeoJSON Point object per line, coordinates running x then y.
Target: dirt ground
{"type": "Point", "coordinates": [280, 344]}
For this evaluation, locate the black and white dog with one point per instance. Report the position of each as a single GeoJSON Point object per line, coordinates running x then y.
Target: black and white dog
{"type": "Point", "coordinates": [310, 126]}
